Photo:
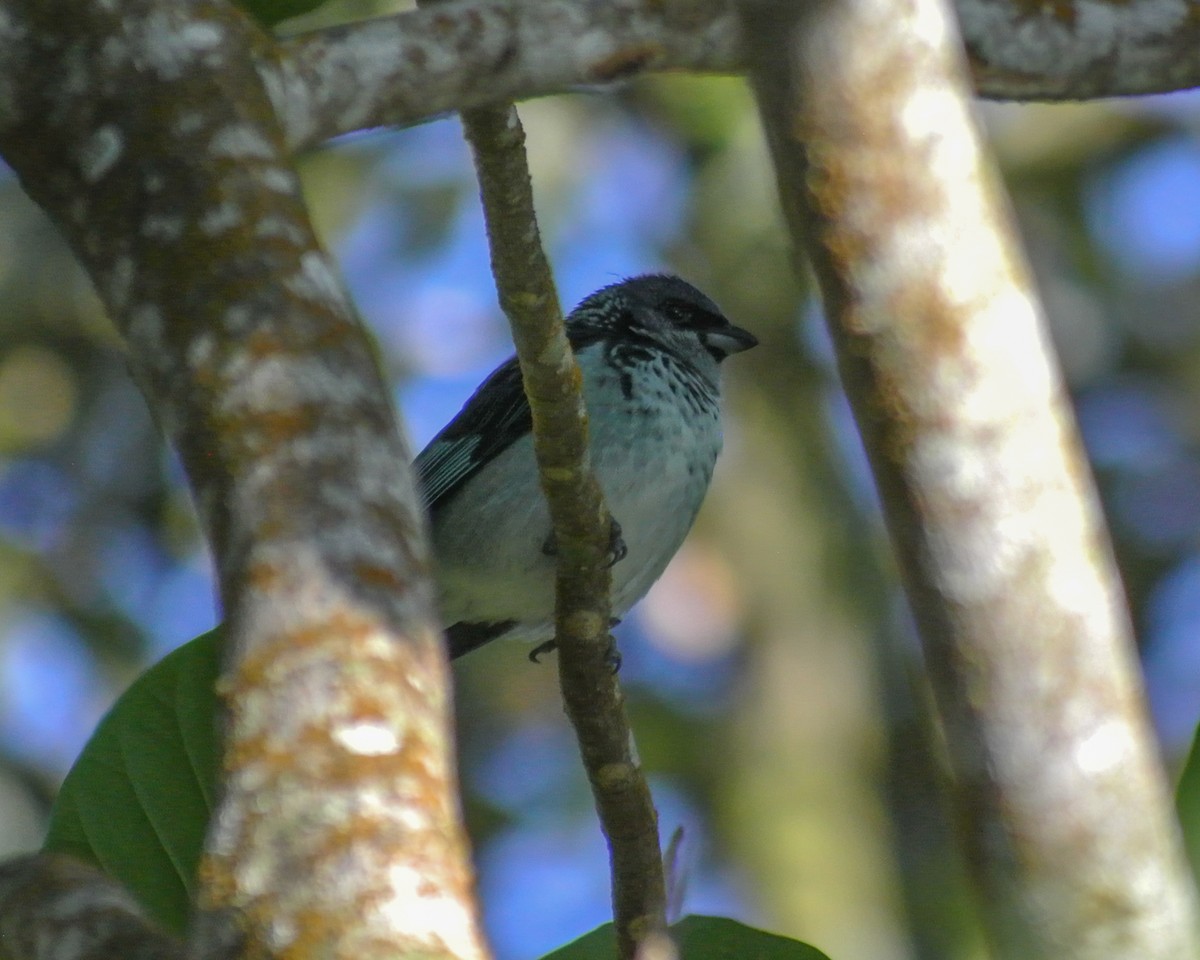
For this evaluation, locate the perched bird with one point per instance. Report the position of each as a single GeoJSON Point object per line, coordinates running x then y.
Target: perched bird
{"type": "Point", "coordinates": [649, 349]}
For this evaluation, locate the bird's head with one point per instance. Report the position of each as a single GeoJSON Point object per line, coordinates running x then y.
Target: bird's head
{"type": "Point", "coordinates": [665, 311]}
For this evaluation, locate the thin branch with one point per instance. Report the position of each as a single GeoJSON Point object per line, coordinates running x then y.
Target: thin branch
{"type": "Point", "coordinates": [408, 68]}
{"type": "Point", "coordinates": [590, 690]}
{"type": "Point", "coordinates": [142, 129]}
{"type": "Point", "coordinates": [53, 907]}
{"type": "Point", "coordinates": [991, 510]}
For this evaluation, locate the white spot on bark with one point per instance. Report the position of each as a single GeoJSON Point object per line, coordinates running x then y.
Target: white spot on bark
{"type": "Point", "coordinates": [238, 318]}
{"type": "Point", "coordinates": [595, 45]}
{"type": "Point", "coordinates": [368, 739]}
{"type": "Point", "coordinates": [101, 152]}
{"type": "Point", "coordinates": [316, 279]}
{"type": "Point", "coordinates": [281, 932]}
{"type": "Point", "coordinates": [169, 44]}
{"type": "Point", "coordinates": [201, 351]}
{"type": "Point", "coordinates": [439, 919]}
{"type": "Point", "coordinates": [114, 52]}
{"type": "Point", "coordinates": [87, 902]}
{"type": "Point", "coordinates": [224, 216]}
{"type": "Point", "coordinates": [1107, 747]}
{"type": "Point", "coordinates": [272, 80]}
{"type": "Point", "coordinates": [189, 122]}
{"type": "Point", "coordinates": [162, 226]}
{"type": "Point", "coordinates": [9, 29]}
{"type": "Point", "coordinates": [120, 281]}
{"type": "Point", "coordinates": [241, 142]}
{"type": "Point", "coordinates": [926, 115]}
{"type": "Point", "coordinates": [279, 179]}
{"type": "Point", "coordinates": [285, 382]}
{"type": "Point", "coordinates": [291, 99]}
{"type": "Point", "coordinates": [273, 226]}
{"type": "Point", "coordinates": [146, 325]}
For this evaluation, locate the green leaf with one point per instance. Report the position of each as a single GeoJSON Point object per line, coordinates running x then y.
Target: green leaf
{"type": "Point", "coordinates": [699, 938]}
{"type": "Point", "coordinates": [137, 801]}
{"type": "Point", "coordinates": [271, 12]}
{"type": "Point", "coordinates": [1187, 802]}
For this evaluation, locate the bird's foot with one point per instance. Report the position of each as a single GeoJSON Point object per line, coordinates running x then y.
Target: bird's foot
{"type": "Point", "coordinates": [612, 656]}
{"type": "Point", "coordinates": [616, 545]}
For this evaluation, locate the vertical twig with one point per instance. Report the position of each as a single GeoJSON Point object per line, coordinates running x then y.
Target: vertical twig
{"type": "Point", "coordinates": [987, 496]}
{"type": "Point", "coordinates": [552, 382]}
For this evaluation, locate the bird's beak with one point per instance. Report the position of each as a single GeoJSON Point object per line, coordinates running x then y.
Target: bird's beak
{"type": "Point", "coordinates": [730, 340]}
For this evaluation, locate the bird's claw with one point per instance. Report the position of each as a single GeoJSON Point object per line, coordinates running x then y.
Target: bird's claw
{"type": "Point", "coordinates": [612, 656]}
{"type": "Point", "coordinates": [541, 649]}
{"type": "Point", "coordinates": [617, 550]}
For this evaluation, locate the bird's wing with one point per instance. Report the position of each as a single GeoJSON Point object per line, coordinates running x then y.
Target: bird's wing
{"type": "Point", "coordinates": [496, 416]}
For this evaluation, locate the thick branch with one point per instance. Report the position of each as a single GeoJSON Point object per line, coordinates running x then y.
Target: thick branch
{"type": "Point", "coordinates": [1080, 49]}
{"type": "Point", "coordinates": [401, 70]}
{"type": "Point", "coordinates": [143, 130]}
{"type": "Point", "coordinates": [56, 908]}
{"type": "Point", "coordinates": [464, 53]}
{"type": "Point", "coordinates": [987, 496]}
{"type": "Point", "coordinates": [581, 525]}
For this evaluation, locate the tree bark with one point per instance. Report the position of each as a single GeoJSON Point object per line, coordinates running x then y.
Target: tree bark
{"type": "Point", "coordinates": [1064, 806]}
{"type": "Point", "coordinates": [144, 131]}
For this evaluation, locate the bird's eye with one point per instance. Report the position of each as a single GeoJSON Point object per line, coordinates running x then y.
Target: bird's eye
{"type": "Point", "coordinates": [676, 312]}
{"type": "Point", "coordinates": [690, 316]}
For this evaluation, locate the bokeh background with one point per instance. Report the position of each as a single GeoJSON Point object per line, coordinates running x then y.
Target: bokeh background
{"type": "Point", "coordinates": [774, 680]}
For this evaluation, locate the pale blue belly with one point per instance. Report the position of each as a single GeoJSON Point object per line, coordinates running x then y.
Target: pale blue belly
{"type": "Point", "coordinates": [653, 477]}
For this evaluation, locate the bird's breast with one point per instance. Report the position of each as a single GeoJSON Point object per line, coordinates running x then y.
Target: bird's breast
{"type": "Point", "coordinates": [652, 448]}
{"type": "Point", "coordinates": [653, 455]}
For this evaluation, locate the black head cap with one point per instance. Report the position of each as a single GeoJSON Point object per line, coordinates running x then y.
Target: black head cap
{"type": "Point", "coordinates": [659, 302]}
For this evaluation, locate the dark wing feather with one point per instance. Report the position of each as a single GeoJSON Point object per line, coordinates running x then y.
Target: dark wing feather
{"type": "Point", "coordinates": [463, 637]}
{"type": "Point", "coordinates": [496, 416]}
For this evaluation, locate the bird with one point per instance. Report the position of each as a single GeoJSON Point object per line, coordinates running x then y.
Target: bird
{"type": "Point", "coordinates": [649, 350]}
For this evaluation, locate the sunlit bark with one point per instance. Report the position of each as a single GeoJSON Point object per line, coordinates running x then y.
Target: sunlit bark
{"type": "Point", "coordinates": [990, 506]}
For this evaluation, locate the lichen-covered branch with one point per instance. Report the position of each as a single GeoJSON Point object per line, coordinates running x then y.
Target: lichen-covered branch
{"type": "Point", "coordinates": [1080, 49]}
{"type": "Point", "coordinates": [991, 510]}
{"type": "Point", "coordinates": [408, 68]}
{"type": "Point", "coordinates": [144, 131]}
{"type": "Point", "coordinates": [465, 53]}
{"type": "Point", "coordinates": [55, 908]}
{"type": "Point", "coordinates": [581, 525]}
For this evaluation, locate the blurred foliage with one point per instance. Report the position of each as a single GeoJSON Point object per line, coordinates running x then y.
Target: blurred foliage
{"type": "Point", "coordinates": [270, 12]}
{"type": "Point", "coordinates": [773, 676]}
{"type": "Point", "coordinates": [699, 938]}
{"type": "Point", "coordinates": [1188, 804]}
